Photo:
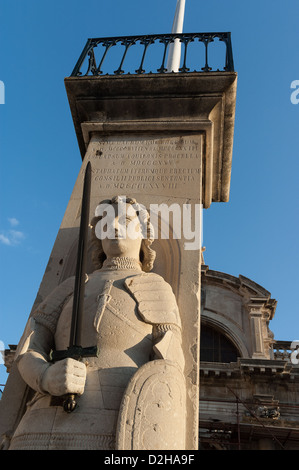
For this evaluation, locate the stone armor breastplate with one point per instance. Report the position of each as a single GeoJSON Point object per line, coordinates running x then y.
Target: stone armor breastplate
{"type": "Point", "coordinates": [111, 321]}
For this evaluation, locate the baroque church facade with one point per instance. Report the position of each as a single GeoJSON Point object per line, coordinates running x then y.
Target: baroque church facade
{"type": "Point", "coordinates": [249, 390]}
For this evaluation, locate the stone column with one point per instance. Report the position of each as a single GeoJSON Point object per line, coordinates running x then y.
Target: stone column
{"type": "Point", "coordinates": [160, 139]}
{"type": "Point", "coordinates": [261, 310]}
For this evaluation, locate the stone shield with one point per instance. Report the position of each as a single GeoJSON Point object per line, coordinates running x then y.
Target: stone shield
{"type": "Point", "coordinates": [152, 415]}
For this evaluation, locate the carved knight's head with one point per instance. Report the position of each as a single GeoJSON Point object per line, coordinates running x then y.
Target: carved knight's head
{"type": "Point", "coordinates": [122, 225]}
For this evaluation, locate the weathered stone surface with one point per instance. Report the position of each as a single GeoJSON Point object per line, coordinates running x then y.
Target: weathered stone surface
{"type": "Point", "coordinates": [155, 165]}
{"type": "Point", "coordinates": [153, 409]}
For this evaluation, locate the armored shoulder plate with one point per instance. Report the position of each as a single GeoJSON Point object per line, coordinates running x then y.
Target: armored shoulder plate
{"type": "Point", "coordinates": [152, 414]}
{"type": "Point", "coordinates": [155, 299]}
{"type": "Point", "coordinates": [48, 311]}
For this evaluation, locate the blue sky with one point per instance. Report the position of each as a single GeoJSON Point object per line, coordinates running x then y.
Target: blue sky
{"type": "Point", "coordinates": [255, 234]}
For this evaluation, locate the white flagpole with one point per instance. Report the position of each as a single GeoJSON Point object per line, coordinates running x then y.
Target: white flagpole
{"type": "Point", "coordinates": [174, 55]}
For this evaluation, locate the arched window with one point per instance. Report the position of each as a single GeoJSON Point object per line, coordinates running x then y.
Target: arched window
{"type": "Point", "coordinates": [215, 347]}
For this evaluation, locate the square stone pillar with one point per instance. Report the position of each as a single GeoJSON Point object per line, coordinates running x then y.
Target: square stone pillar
{"type": "Point", "coordinates": [163, 139]}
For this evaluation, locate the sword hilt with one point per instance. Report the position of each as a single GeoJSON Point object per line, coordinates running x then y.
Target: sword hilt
{"type": "Point", "coordinates": [74, 352]}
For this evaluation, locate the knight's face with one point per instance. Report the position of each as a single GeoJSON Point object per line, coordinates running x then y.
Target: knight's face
{"type": "Point", "coordinates": [123, 233]}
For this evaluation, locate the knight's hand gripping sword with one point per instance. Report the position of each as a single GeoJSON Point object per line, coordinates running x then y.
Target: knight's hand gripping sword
{"type": "Point", "coordinates": [75, 350]}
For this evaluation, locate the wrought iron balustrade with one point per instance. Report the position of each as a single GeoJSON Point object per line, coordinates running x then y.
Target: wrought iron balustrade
{"type": "Point", "coordinates": [151, 52]}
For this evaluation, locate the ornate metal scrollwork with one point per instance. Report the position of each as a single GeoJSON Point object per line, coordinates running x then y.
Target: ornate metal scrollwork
{"type": "Point", "coordinates": [149, 41]}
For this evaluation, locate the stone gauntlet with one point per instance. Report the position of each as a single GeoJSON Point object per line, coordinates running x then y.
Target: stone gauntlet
{"type": "Point", "coordinates": [66, 376]}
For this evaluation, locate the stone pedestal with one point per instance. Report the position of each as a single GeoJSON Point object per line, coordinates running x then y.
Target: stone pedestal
{"type": "Point", "coordinates": [161, 140]}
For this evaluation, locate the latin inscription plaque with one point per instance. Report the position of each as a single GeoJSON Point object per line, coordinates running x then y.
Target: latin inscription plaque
{"type": "Point", "coordinates": [169, 166]}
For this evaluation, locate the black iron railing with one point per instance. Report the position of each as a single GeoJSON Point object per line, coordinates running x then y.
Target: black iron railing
{"type": "Point", "coordinates": [152, 50]}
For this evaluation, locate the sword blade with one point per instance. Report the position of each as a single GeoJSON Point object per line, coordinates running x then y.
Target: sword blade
{"type": "Point", "coordinates": [78, 302]}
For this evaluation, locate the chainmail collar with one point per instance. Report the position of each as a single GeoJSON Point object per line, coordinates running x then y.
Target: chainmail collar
{"type": "Point", "coordinates": [122, 263]}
